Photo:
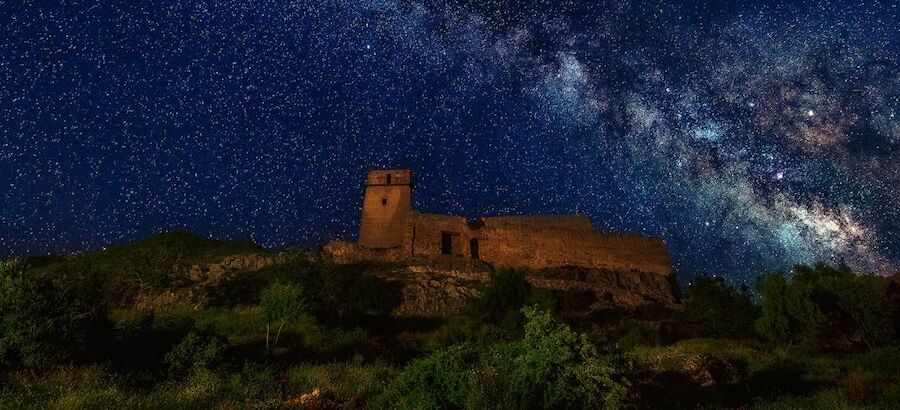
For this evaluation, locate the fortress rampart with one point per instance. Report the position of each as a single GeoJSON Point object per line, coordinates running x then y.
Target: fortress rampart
{"type": "Point", "coordinates": [391, 230]}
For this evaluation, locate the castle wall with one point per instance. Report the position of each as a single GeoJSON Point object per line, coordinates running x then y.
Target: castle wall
{"type": "Point", "coordinates": [392, 231]}
{"type": "Point", "coordinates": [575, 222]}
{"type": "Point", "coordinates": [549, 248]}
{"type": "Point", "coordinates": [426, 232]}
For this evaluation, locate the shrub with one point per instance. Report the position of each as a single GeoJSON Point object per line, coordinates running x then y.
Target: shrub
{"type": "Point", "coordinates": [719, 309]}
{"type": "Point", "coordinates": [501, 301]}
{"type": "Point", "coordinates": [330, 290]}
{"type": "Point", "coordinates": [255, 382]}
{"type": "Point", "coordinates": [551, 367]}
{"type": "Point", "coordinates": [280, 303]}
{"type": "Point", "coordinates": [46, 320]}
{"type": "Point", "coordinates": [346, 291]}
{"type": "Point", "coordinates": [194, 352]}
{"type": "Point", "coordinates": [824, 305]}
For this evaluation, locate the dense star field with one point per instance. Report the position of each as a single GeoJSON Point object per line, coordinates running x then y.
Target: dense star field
{"type": "Point", "coordinates": [749, 136]}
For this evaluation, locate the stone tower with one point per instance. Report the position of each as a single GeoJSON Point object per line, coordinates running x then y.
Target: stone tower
{"type": "Point", "coordinates": [386, 208]}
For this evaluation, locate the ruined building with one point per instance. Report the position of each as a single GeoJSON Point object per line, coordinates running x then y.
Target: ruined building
{"type": "Point", "coordinates": [391, 230]}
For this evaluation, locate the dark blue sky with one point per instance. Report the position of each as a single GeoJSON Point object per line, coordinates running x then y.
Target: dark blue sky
{"type": "Point", "coordinates": [750, 136]}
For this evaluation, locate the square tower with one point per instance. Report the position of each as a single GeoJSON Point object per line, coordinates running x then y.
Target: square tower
{"type": "Point", "coordinates": [386, 208]}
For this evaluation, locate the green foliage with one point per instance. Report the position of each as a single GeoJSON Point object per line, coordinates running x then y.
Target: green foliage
{"type": "Point", "coordinates": [282, 302]}
{"type": "Point", "coordinates": [558, 368]}
{"type": "Point", "coordinates": [297, 267]}
{"type": "Point", "coordinates": [502, 300]}
{"type": "Point", "coordinates": [23, 332]}
{"type": "Point", "coordinates": [824, 306]}
{"type": "Point", "coordinates": [259, 385]}
{"type": "Point", "coordinates": [123, 272]}
{"type": "Point", "coordinates": [437, 381]}
{"type": "Point", "coordinates": [329, 290]}
{"type": "Point", "coordinates": [551, 367]}
{"type": "Point", "coordinates": [46, 320]}
{"type": "Point", "coordinates": [53, 332]}
{"type": "Point", "coordinates": [776, 322]}
{"type": "Point", "coordinates": [347, 291]}
{"type": "Point", "coordinates": [195, 352]}
{"type": "Point", "coordinates": [348, 379]}
{"type": "Point", "coordinates": [719, 309]}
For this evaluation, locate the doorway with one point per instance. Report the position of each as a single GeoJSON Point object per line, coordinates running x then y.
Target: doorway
{"type": "Point", "coordinates": [446, 243]}
{"type": "Point", "coordinates": [473, 248]}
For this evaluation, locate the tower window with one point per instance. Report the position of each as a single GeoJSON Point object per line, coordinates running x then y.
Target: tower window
{"type": "Point", "coordinates": [383, 201]}
{"type": "Point", "coordinates": [388, 179]}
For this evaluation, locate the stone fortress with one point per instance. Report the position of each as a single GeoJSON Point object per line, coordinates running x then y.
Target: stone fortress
{"type": "Point", "coordinates": [603, 263]}
{"type": "Point", "coordinates": [444, 255]}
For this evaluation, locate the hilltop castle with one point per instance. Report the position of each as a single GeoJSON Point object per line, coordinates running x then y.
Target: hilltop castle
{"type": "Point", "coordinates": [391, 230]}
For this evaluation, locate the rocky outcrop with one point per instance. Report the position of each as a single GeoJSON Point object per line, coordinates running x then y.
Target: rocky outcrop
{"type": "Point", "coordinates": [213, 272]}
{"type": "Point", "coordinates": [203, 275]}
{"type": "Point", "coordinates": [613, 289]}
{"type": "Point", "coordinates": [429, 294]}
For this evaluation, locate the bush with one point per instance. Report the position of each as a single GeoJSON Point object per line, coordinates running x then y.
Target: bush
{"type": "Point", "coordinates": [824, 306]}
{"type": "Point", "coordinates": [719, 309]}
{"type": "Point", "coordinates": [502, 300]}
{"type": "Point", "coordinates": [551, 367]}
{"type": "Point", "coordinates": [330, 290]}
{"type": "Point", "coordinates": [195, 352]}
{"type": "Point", "coordinates": [281, 303]}
{"type": "Point", "coordinates": [352, 380]}
{"type": "Point", "coordinates": [47, 320]}
{"type": "Point", "coordinates": [346, 291]}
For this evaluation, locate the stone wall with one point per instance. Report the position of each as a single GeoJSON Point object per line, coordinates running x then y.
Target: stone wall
{"type": "Point", "coordinates": [426, 231]}
{"type": "Point", "coordinates": [574, 222]}
{"type": "Point", "coordinates": [549, 248]}
{"type": "Point", "coordinates": [534, 242]}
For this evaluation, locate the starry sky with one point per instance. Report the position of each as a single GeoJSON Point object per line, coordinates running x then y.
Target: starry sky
{"type": "Point", "coordinates": [750, 135]}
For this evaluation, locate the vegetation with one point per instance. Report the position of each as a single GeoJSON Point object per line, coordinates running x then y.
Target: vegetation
{"type": "Point", "coordinates": [722, 311]}
{"type": "Point", "coordinates": [79, 332]}
{"type": "Point", "coordinates": [825, 306]}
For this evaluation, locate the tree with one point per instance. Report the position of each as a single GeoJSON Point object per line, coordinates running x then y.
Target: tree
{"type": "Point", "coordinates": [24, 333]}
{"type": "Point", "coordinates": [721, 310]}
{"type": "Point", "coordinates": [774, 321]}
{"type": "Point", "coordinates": [502, 301]}
{"type": "Point", "coordinates": [46, 319]}
{"type": "Point", "coordinates": [281, 302]}
{"type": "Point", "coordinates": [824, 305]}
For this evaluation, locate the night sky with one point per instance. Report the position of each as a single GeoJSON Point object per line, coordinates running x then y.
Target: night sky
{"type": "Point", "coordinates": [749, 136]}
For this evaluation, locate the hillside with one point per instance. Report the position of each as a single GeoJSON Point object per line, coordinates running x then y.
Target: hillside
{"type": "Point", "coordinates": [152, 265]}
{"type": "Point", "coordinates": [180, 321]}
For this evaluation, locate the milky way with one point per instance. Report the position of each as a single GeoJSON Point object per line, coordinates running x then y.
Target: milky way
{"type": "Point", "coordinates": [751, 137]}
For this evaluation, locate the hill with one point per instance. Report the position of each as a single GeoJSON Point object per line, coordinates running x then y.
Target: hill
{"type": "Point", "coordinates": [152, 265]}
{"type": "Point", "coordinates": [181, 321]}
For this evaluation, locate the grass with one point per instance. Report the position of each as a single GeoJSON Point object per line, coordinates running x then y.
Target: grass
{"type": "Point", "coordinates": [96, 387]}
{"type": "Point", "coordinates": [243, 328]}
{"type": "Point", "coordinates": [353, 379]}
{"type": "Point", "coordinates": [785, 378]}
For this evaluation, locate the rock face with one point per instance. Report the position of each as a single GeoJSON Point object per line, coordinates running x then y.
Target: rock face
{"type": "Point", "coordinates": [429, 294]}
{"type": "Point", "coordinates": [214, 272]}
{"type": "Point", "coordinates": [613, 289]}
{"type": "Point", "coordinates": [433, 291]}
{"type": "Point", "coordinates": [207, 275]}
